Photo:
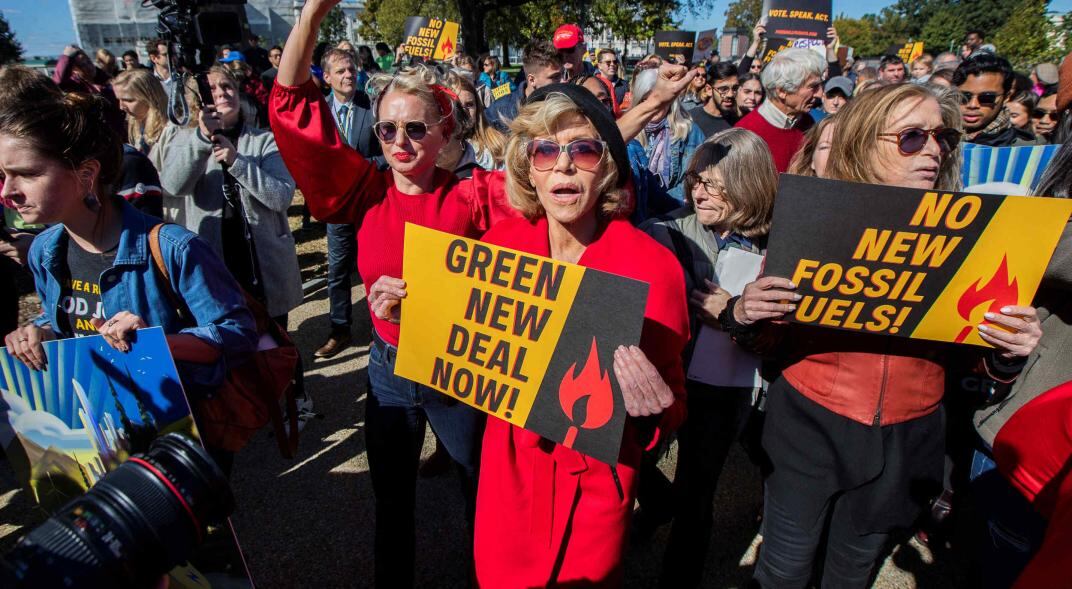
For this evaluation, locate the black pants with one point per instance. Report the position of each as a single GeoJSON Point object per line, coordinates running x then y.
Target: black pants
{"type": "Point", "coordinates": [716, 418]}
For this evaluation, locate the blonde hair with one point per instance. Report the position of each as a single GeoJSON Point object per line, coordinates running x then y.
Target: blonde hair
{"type": "Point", "coordinates": [478, 131]}
{"type": "Point", "coordinates": [749, 178]}
{"type": "Point", "coordinates": [144, 86]}
{"type": "Point", "coordinates": [678, 121]}
{"type": "Point", "coordinates": [855, 145]}
{"type": "Point", "coordinates": [544, 118]}
{"type": "Point", "coordinates": [800, 165]}
{"type": "Point", "coordinates": [926, 60]}
{"type": "Point", "coordinates": [415, 80]}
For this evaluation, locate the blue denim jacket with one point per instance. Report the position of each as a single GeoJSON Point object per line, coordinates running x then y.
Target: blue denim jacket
{"type": "Point", "coordinates": [198, 276]}
{"type": "Point", "coordinates": [680, 156]}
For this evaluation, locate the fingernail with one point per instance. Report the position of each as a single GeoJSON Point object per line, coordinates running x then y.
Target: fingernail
{"type": "Point", "coordinates": [792, 307]}
{"type": "Point", "coordinates": [797, 297]}
{"type": "Point", "coordinates": [990, 315]}
{"type": "Point", "coordinates": [1006, 310]}
{"type": "Point", "coordinates": [984, 328]}
{"type": "Point", "coordinates": [792, 285]}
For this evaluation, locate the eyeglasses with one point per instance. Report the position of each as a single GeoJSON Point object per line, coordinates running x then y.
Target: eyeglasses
{"type": "Point", "coordinates": [415, 130]}
{"type": "Point", "coordinates": [586, 154]}
{"type": "Point", "coordinates": [727, 89]}
{"type": "Point", "coordinates": [609, 62]}
{"type": "Point", "coordinates": [912, 140]}
{"type": "Point", "coordinates": [710, 187]}
{"type": "Point", "coordinates": [1039, 113]}
{"type": "Point", "coordinates": [984, 98]}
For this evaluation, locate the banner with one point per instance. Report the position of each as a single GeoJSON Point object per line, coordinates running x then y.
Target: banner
{"type": "Point", "coordinates": [776, 45]}
{"type": "Point", "coordinates": [907, 52]}
{"type": "Point", "coordinates": [1023, 165]}
{"type": "Point", "coordinates": [524, 338]}
{"type": "Point", "coordinates": [430, 38]}
{"type": "Point", "coordinates": [500, 91]}
{"type": "Point", "coordinates": [675, 44]}
{"type": "Point", "coordinates": [63, 428]}
{"type": "Point", "coordinates": [806, 19]}
{"type": "Point", "coordinates": [706, 43]}
{"type": "Point", "coordinates": [907, 262]}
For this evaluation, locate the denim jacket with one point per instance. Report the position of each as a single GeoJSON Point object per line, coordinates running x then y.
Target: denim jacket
{"type": "Point", "coordinates": [680, 155]}
{"type": "Point", "coordinates": [198, 276]}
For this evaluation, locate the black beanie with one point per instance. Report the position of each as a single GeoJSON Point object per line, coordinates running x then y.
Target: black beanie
{"type": "Point", "coordinates": [601, 118]}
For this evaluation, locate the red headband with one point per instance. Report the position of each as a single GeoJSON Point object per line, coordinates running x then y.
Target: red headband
{"type": "Point", "coordinates": [445, 99]}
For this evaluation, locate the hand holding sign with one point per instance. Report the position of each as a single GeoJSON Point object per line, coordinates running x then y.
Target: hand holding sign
{"type": "Point", "coordinates": [765, 299]}
{"type": "Point", "coordinates": [643, 389]}
{"type": "Point", "coordinates": [1017, 333]}
{"type": "Point", "coordinates": [384, 297]}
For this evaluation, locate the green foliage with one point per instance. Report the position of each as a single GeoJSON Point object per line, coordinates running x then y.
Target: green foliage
{"type": "Point", "coordinates": [743, 14]}
{"type": "Point", "coordinates": [10, 48]}
{"type": "Point", "coordinates": [635, 19]}
{"type": "Point", "coordinates": [944, 31]}
{"type": "Point", "coordinates": [383, 19]}
{"type": "Point", "coordinates": [333, 28]}
{"type": "Point", "coordinates": [858, 34]}
{"type": "Point", "coordinates": [1027, 37]}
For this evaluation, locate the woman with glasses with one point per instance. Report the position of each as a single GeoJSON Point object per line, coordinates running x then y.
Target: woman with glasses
{"type": "Point", "coordinates": [1045, 119]}
{"type": "Point", "coordinates": [415, 120]}
{"type": "Point", "coordinates": [854, 424]}
{"type": "Point", "coordinates": [730, 184]}
{"type": "Point", "coordinates": [491, 74]}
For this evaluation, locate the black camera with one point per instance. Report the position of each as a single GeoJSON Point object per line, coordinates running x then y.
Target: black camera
{"type": "Point", "coordinates": [132, 527]}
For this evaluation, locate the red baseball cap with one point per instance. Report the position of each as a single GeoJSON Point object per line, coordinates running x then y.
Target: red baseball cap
{"type": "Point", "coordinates": [567, 37]}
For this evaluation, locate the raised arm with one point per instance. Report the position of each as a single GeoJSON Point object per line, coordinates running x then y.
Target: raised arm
{"type": "Point", "coordinates": [337, 182]}
{"type": "Point", "coordinates": [673, 80]}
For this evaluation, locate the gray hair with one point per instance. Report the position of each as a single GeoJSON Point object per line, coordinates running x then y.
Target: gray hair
{"type": "Point", "coordinates": [679, 121]}
{"type": "Point", "coordinates": [790, 68]}
{"type": "Point", "coordinates": [942, 57]}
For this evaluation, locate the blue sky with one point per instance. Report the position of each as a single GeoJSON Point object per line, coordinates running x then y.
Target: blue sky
{"type": "Point", "coordinates": [44, 26]}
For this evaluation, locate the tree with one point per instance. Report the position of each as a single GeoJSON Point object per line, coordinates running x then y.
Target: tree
{"type": "Point", "coordinates": [744, 14]}
{"type": "Point", "coordinates": [1026, 38]}
{"type": "Point", "coordinates": [944, 31]}
{"type": "Point", "coordinates": [333, 28]}
{"type": "Point", "coordinates": [10, 48]}
{"type": "Point", "coordinates": [384, 19]}
{"type": "Point", "coordinates": [858, 34]}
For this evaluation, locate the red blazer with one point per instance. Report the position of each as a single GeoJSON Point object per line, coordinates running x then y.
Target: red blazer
{"type": "Point", "coordinates": [540, 503]}
{"type": "Point", "coordinates": [1034, 451]}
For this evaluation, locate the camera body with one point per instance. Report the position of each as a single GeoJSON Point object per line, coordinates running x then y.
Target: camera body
{"type": "Point", "coordinates": [195, 28]}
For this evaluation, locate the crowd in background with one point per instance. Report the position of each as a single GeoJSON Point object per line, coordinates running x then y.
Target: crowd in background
{"type": "Point", "coordinates": [652, 173]}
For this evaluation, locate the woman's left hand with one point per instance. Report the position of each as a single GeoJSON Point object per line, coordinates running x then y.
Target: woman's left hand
{"type": "Point", "coordinates": [643, 388]}
{"type": "Point", "coordinates": [385, 297]}
{"type": "Point", "coordinates": [118, 330]}
{"type": "Point", "coordinates": [710, 302]}
{"type": "Point", "coordinates": [1015, 331]}
{"type": "Point", "coordinates": [223, 150]}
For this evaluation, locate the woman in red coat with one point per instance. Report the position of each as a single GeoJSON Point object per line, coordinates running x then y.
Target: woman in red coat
{"type": "Point", "coordinates": [416, 119]}
{"type": "Point", "coordinates": [546, 514]}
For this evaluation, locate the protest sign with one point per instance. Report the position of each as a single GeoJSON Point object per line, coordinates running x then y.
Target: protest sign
{"type": "Point", "coordinates": [675, 44]}
{"type": "Point", "coordinates": [705, 45]}
{"type": "Point", "coordinates": [1023, 165]}
{"type": "Point", "coordinates": [65, 427]}
{"type": "Point", "coordinates": [914, 263]}
{"type": "Point", "coordinates": [524, 338]}
{"type": "Point", "coordinates": [907, 52]}
{"type": "Point", "coordinates": [430, 38]}
{"type": "Point", "coordinates": [777, 45]}
{"type": "Point", "coordinates": [500, 91]}
{"type": "Point", "coordinates": [805, 19]}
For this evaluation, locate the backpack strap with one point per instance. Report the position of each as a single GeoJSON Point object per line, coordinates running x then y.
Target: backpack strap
{"type": "Point", "coordinates": [162, 271]}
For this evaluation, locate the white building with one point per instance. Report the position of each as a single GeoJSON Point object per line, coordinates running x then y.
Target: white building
{"type": "Point", "coordinates": [119, 25]}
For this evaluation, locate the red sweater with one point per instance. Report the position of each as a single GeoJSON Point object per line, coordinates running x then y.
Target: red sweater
{"type": "Point", "coordinates": [783, 143]}
{"type": "Point", "coordinates": [341, 186]}
{"type": "Point", "coordinates": [546, 515]}
{"type": "Point", "coordinates": [1034, 451]}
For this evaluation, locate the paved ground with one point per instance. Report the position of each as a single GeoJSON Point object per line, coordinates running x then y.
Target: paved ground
{"type": "Point", "coordinates": [308, 522]}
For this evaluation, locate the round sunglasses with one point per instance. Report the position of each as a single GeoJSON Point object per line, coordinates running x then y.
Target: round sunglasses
{"type": "Point", "coordinates": [586, 154]}
{"type": "Point", "coordinates": [984, 98]}
{"type": "Point", "coordinates": [912, 140]}
{"type": "Point", "coordinates": [387, 131]}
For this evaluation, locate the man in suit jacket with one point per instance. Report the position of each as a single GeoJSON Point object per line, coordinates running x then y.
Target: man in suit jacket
{"type": "Point", "coordinates": [353, 116]}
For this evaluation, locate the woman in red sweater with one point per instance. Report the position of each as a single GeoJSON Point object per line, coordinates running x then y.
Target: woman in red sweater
{"type": "Point", "coordinates": [415, 116]}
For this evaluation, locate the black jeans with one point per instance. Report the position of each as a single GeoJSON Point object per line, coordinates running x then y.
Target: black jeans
{"type": "Point", "coordinates": [716, 418]}
{"type": "Point", "coordinates": [342, 260]}
{"type": "Point", "coordinates": [396, 413]}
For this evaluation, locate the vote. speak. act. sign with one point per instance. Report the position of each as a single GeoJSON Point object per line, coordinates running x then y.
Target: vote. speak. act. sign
{"type": "Point", "coordinates": [524, 338]}
{"type": "Point", "coordinates": [914, 263]}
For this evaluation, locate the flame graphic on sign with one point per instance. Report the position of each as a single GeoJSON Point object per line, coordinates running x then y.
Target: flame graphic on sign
{"type": "Point", "coordinates": [447, 47]}
{"type": "Point", "coordinates": [998, 291]}
{"type": "Point", "coordinates": [592, 384]}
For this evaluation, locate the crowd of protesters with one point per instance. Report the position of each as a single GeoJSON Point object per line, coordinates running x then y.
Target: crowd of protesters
{"type": "Point", "coordinates": [653, 173]}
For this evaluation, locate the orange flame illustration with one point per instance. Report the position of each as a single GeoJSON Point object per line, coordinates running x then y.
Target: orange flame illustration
{"type": "Point", "coordinates": [998, 291]}
{"type": "Point", "coordinates": [447, 47]}
{"type": "Point", "coordinates": [591, 383]}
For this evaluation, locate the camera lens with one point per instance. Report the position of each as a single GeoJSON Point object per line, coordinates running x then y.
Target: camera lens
{"type": "Point", "coordinates": [133, 526]}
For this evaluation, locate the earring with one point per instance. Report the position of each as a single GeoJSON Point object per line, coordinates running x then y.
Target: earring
{"type": "Point", "coordinates": [92, 202]}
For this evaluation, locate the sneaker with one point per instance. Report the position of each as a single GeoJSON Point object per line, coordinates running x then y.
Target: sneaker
{"type": "Point", "coordinates": [305, 413]}
{"type": "Point", "coordinates": [337, 342]}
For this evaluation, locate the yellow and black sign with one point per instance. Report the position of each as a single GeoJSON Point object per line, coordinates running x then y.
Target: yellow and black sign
{"type": "Point", "coordinates": [907, 52]}
{"type": "Point", "coordinates": [524, 338]}
{"type": "Point", "coordinates": [797, 19]}
{"type": "Point", "coordinates": [500, 91]}
{"type": "Point", "coordinates": [678, 45]}
{"type": "Point", "coordinates": [914, 263]}
{"type": "Point", "coordinates": [430, 38]}
{"type": "Point", "coordinates": [775, 45]}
